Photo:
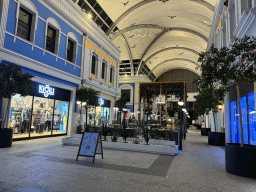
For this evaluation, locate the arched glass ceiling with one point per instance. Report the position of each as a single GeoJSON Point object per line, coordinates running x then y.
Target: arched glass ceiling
{"type": "Point", "coordinates": [150, 26]}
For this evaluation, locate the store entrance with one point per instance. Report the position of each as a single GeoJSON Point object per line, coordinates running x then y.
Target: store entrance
{"type": "Point", "coordinates": [33, 116]}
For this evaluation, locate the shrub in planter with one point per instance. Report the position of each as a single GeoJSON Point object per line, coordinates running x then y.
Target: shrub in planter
{"type": "Point", "coordinates": [114, 138]}
{"type": "Point", "coordinates": [12, 81]}
{"type": "Point", "coordinates": [136, 141]}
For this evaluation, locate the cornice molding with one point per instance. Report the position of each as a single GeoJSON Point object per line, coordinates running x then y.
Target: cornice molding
{"type": "Point", "coordinates": [29, 63]}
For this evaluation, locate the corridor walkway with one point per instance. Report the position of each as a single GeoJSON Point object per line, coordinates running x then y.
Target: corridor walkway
{"type": "Point", "coordinates": [46, 165]}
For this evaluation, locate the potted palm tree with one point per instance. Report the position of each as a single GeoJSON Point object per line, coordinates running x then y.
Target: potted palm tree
{"type": "Point", "coordinates": [232, 66]}
{"type": "Point", "coordinates": [12, 81]}
{"type": "Point", "coordinates": [86, 97]}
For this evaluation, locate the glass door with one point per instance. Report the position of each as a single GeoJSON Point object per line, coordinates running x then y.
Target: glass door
{"type": "Point", "coordinates": [60, 117]}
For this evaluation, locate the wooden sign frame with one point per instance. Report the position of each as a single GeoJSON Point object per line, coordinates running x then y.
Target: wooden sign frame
{"type": "Point", "coordinates": [98, 142]}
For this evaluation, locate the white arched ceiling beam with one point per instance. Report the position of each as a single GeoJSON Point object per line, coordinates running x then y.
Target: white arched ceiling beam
{"type": "Point", "coordinates": [121, 32]}
{"type": "Point", "coordinates": [202, 2]}
{"type": "Point", "coordinates": [176, 59]}
{"type": "Point", "coordinates": [170, 48]}
{"type": "Point", "coordinates": [130, 55]}
{"type": "Point", "coordinates": [151, 44]}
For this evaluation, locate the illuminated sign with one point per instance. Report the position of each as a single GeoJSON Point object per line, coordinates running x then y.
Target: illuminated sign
{"type": "Point", "coordinates": [46, 90]}
{"type": "Point", "coordinates": [101, 101]}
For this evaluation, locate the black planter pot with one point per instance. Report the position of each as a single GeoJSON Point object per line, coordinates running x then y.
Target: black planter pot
{"type": "Point", "coordinates": [6, 137]}
{"type": "Point", "coordinates": [240, 160]}
{"type": "Point", "coordinates": [204, 131]}
{"type": "Point", "coordinates": [79, 129]}
{"type": "Point", "coordinates": [216, 138]}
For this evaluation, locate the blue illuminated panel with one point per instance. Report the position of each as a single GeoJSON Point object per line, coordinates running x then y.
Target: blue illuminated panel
{"type": "Point", "coordinates": [244, 119]}
{"type": "Point", "coordinates": [252, 118]}
{"type": "Point", "coordinates": [233, 123]}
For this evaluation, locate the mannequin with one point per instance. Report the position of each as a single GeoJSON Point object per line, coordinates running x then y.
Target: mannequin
{"type": "Point", "coordinates": [24, 119]}
{"type": "Point", "coordinates": [48, 118]}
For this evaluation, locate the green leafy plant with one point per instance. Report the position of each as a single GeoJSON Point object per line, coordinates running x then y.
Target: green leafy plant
{"type": "Point", "coordinates": [13, 81]}
{"type": "Point", "coordinates": [114, 138]}
{"type": "Point", "coordinates": [89, 96]}
{"type": "Point", "coordinates": [136, 141]}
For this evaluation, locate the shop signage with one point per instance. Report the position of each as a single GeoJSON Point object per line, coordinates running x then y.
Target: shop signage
{"type": "Point", "coordinates": [46, 90]}
{"type": "Point", "coordinates": [101, 101]}
{"type": "Point", "coordinates": [90, 145]}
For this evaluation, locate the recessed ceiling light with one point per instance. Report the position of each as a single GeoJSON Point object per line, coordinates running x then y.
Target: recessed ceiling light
{"type": "Point", "coordinates": [89, 15]}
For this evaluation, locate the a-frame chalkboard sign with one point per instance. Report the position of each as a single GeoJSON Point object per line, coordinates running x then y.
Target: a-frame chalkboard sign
{"type": "Point", "coordinates": [90, 145]}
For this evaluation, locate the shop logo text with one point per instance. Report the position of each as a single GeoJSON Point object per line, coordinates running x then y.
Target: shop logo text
{"type": "Point", "coordinates": [46, 90]}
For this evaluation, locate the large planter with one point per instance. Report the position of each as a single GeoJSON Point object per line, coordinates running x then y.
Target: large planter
{"type": "Point", "coordinates": [204, 131]}
{"type": "Point", "coordinates": [240, 160]}
{"type": "Point", "coordinates": [216, 138]}
{"type": "Point", "coordinates": [6, 137]}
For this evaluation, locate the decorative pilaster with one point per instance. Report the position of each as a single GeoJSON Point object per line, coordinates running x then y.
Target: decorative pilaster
{"type": "Point", "coordinates": [4, 6]}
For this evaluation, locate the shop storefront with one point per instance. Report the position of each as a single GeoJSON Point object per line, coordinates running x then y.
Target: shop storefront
{"type": "Point", "coordinates": [43, 112]}
{"type": "Point", "coordinates": [99, 114]}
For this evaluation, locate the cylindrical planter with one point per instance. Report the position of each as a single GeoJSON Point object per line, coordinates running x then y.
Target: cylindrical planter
{"type": "Point", "coordinates": [6, 137]}
{"type": "Point", "coordinates": [240, 160]}
{"type": "Point", "coordinates": [216, 138]}
{"type": "Point", "coordinates": [204, 131]}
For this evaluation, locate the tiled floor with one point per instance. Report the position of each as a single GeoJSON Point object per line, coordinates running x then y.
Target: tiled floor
{"type": "Point", "coordinates": [46, 165]}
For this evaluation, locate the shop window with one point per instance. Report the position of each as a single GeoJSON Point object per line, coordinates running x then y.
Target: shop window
{"type": "Point", "coordinates": [127, 94]}
{"type": "Point", "coordinates": [20, 115]}
{"type": "Point", "coordinates": [26, 20]}
{"type": "Point", "coordinates": [103, 70]}
{"type": "Point", "coordinates": [52, 35]}
{"type": "Point", "coordinates": [41, 122]}
{"type": "Point", "coordinates": [252, 118]}
{"type": "Point", "coordinates": [24, 24]}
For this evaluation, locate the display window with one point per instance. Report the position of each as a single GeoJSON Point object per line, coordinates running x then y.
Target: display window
{"type": "Point", "coordinates": [42, 114]}
{"type": "Point", "coordinates": [20, 115]}
{"type": "Point", "coordinates": [99, 114]}
{"type": "Point", "coordinates": [248, 120]}
{"type": "Point", "coordinates": [41, 121]}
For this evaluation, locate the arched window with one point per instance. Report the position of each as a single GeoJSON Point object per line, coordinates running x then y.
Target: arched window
{"type": "Point", "coordinates": [52, 35]}
{"type": "Point", "coordinates": [71, 47]}
{"type": "Point", "coordinates": [94, 64]}
{"type": "Point", "coordinates": [26, 20]}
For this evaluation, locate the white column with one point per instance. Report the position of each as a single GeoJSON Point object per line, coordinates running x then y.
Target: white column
{"type": "Point", "coordinates": [136, 99]}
